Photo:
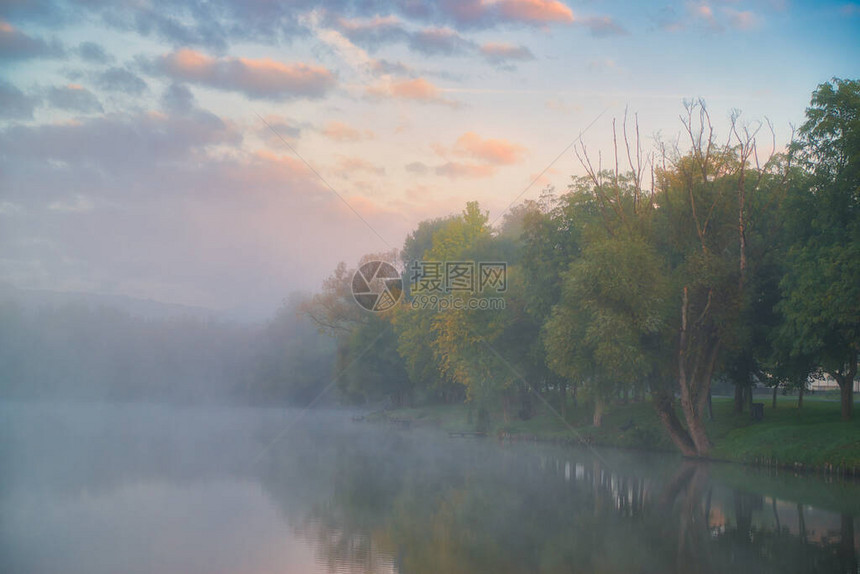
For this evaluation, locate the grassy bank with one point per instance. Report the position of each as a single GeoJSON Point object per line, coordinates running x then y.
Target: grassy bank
{"type": "Point", "coordinates": [812, 437]}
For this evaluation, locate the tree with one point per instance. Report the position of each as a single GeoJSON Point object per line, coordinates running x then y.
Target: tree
{"type": "Point", "coordinates": [413, 326]}
{"type": "Point", "coordinates": [367, 366]}
{"type": "Point", "coordinates": [821, 290]}
{"type": "Point", "coordinates": [611, 308]}
{"type": "Point", "coordinates": [294, 361]}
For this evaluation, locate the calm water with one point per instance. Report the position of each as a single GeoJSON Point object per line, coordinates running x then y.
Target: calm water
{"type": "Point", "coordinates": [106, 489]}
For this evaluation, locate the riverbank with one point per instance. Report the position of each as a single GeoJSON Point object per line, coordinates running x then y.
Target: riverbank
{"type": "Point", "coordinates": [811, 438]}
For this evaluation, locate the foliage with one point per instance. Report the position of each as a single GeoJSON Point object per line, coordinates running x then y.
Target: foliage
{"type": "Point", "coordinates": [821, 288]}
{"type": "Point", "coordinates": [617, 288]}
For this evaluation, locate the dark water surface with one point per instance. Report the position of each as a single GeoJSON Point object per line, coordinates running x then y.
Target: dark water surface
{"type": "Point", "coordinates": [108, 489]}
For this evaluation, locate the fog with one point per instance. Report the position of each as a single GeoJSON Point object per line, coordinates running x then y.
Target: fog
{"type": "Point", "coordinates": [145, 488]}
{"type": "Point", "coordinates": [93, 348]}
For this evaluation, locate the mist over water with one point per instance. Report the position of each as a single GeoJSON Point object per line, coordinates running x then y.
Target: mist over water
{"type": "Point", "coordinates": [95, 488]}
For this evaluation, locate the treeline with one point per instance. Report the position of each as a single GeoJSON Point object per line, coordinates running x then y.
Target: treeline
{"type": "Point", "coordinates": [695, 262]}
{"type": "Point", "coordinates": [86, 351]}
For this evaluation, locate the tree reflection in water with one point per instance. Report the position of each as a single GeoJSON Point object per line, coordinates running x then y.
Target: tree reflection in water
{"type": "Point", "coordinates": [428, 506]}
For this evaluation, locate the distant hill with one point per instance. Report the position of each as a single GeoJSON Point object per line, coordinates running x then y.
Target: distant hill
{"type": "Point", "coordinates": [34, 299]}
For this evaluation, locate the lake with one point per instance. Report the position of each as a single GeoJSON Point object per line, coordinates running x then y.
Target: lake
{"type": "Point", "coordinates": [138, 488]}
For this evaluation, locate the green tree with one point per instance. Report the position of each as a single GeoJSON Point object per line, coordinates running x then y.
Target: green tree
{"type": "Point", "coordinates": [821, 290]}
{"type": "Point", "coordinates": [612, 309]}
{"type": "Point", "coordinates": [367, 365]}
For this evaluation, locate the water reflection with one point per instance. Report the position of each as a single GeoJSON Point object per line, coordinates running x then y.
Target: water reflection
{"type": "Point", "coordinates": [150, 489]}
{"type": "Point", "coordinates": [420, 505]}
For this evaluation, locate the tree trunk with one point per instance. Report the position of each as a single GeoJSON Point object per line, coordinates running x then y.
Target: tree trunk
{"type": "Point", "coordinates": [776, 515]}
{"type": "Point", "coordinates": [801, 524]}
{"type": "Point", "coordinates": [696, 427]}
{"type": "Point", "coordinates": [846, 386]}
{"type": "Point", "coordinates": [775, 388]}
{"type": "Point", "coordinates": [739, 399]}
{"type": "Point", "coordinates": [563, 388]}
{"type": "Point", "coordinates": [664, 404]}
{"type": "Point", "coordinates": [598, 411]}
{"type": "Point", "coordinates": [695, 369]}
{"type": "Point", "coordinates": [846, 392]}
{"type": "Point", "coordinates": [800, 396]}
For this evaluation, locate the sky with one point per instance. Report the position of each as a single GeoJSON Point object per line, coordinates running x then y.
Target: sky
{"type": "Point", "coordinates": [226, 153]}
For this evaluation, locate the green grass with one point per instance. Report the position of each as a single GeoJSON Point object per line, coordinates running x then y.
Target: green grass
{"type": "Point", "coordinates": [813, 437]}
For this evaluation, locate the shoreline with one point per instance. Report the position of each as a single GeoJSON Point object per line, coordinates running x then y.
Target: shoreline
{"type": "Point", "coordinates": [805, 442]}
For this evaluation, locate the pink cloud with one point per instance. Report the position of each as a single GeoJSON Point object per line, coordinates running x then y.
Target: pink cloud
{"type": "Point", "coordinates": [745, 20]}
{"type": "Point", "coordinates": [536, 11]}
{"type": "Point", "coordinates": [256, 78]}
{"type": "Point", "coordinates": [347, 166]}
{"type": "Point", "coordinates": [491, 151]}
{"type": "Point", "coordinates": [342, 132]}
{"type": "Point", "coordinates": [502, 52]}
{"type": "Point", "coordinates": [416, 89]}
{"type": "Point", "coordinates": [704, 11]}
{"type": "Point", "coordinates": [546, 178]}
{"type": "Point", "coordinates": [16, 45]}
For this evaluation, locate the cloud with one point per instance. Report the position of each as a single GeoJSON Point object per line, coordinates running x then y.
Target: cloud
{"type": "Point", "coordinates": [371, 33]}
{"type": "Point", "coordinates": [255, 78]}
{"type": "Point", "coordinates": [277, 127]}
{"type": "Point", "coordinates": [341, 132]}
{"type": "Point", "coordinates": [93, 53]}
{"type": "Point", "coordinates": [440, 41]}
{"type": "Point", "coordinates": [456, 170]}
{"type": "Point", "coordinates": [703, 15]}
{"type": "Point", "coordinates": [418, 168]}
{"type": "Point", "coordinates": [178, 99]}
{"type": "Point", "coordinates": [348, 166]}
{"type": "Point", "coordinates": [742, 20]}
{"type": "Point", "coordinates": [16, 45]}
{"type": "Point", "coordinates": [15, 104]}
{"type": "Point", "coordinates": [376, 32]}
{"type": "Point", "coordinates": [416, 89]}
{"type": "Point", "coordinates": [485, 155]}
{"type": "Point", "coordinates": [535, 11]}
{"type": "Point", "coordinates": [121, 80]}
{"type": "Point", "coordinates": [490, 151]}
{"type": "Point", "coordinates": [173, 225]}
{"type": "Point", "coordinates": [602, 26]}
{"type": "Point", "coordinates": [199, 31]}
{"type": "Point", "coordinates": [501, 53]}
{"type": "Point", "coordinates": [545, 178]}
{"type": "Point", "coordinates": [121, 145]}
{"type": "Point", "coordinates": [74, 98]}
{"type": "Point", "coordinates": [383, 67]}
